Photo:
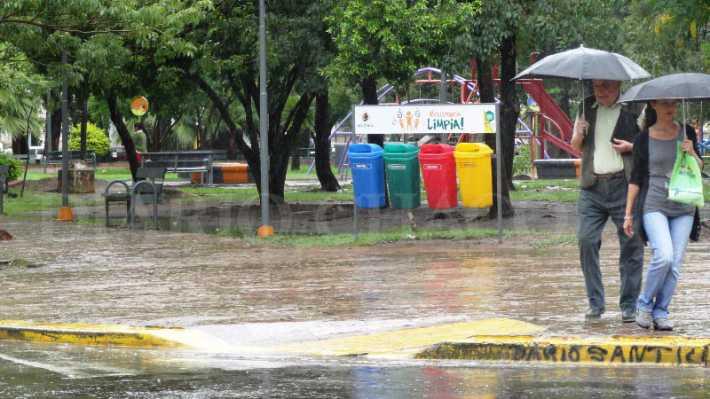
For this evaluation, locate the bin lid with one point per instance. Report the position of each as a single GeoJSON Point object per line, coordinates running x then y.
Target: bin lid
{"type": "Point", "coordinates": [473, 149]}
{"type": "Point", "coordinates": [401, 148]}
{"type": "Point", "coordinates": [436, 149]}
{"type": "Point", "coordinates": [364, 148]}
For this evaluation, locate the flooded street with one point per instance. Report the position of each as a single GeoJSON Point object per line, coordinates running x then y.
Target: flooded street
{"type": "Point", "coordinates": [145, 374]}
{"type": "Point", "coordinates": [260, 296]}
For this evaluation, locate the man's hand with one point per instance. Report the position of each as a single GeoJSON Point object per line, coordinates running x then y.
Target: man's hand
{"type": "Point", "coordinates": [621, 146]}
{"type": "Point", "coordinates": [579, 132]}
{"type": "Point", "coordinates": [580, 127]}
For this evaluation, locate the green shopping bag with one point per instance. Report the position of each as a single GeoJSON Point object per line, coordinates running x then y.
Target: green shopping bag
{"type": "Point", "coordinates": [686, 183]}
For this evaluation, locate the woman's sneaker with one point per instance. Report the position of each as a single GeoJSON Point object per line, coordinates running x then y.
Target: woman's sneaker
{"type": "Point", "coordinates": [663, 324]}
{"type": "Point", "coordinates": [644, 319]}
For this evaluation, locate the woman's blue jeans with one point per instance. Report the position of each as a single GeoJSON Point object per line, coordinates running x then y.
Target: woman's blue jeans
{"type": "Point", "coordinates": [668, 238]}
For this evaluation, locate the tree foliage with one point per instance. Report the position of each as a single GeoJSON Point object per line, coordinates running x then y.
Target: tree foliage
{"type": "Point", "coordinates": [97, 140]}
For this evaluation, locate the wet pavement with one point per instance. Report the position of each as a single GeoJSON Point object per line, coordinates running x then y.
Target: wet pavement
{"type": "Point", "coordinates": [262, 295]}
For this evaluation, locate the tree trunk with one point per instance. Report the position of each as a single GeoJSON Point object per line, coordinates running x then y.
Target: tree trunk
{"type": "Point", "coordinates": [369, 97]}
{"type": "Point", "coordinates": [328, 182]}
{"type": "Point", "coordinates": [56, 128]}
{"type": "Point", "coordinates": [19, 145]}
{"type": "Point", "coordinates": [84, 118]}
{"type": "Point", "coordinates": [296, 159]}
{"type": "Point", "coordinates": [123, 132]}
{"type": "Point", "coordinates": [508, 121]}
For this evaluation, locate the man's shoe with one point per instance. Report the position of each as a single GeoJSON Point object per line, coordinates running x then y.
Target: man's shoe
{"type": "Point", "coordinates": [663, 324]}
{"type": "Point", "coordinates": [593, 313]}
{"type": "Point", "coordinates": [644, 319]}
{"type": "Point", "coordinates": [628, 315]}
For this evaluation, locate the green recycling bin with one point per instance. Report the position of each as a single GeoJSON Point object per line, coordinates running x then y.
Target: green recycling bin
{"type": "Point", "coordinates": [402, 173]}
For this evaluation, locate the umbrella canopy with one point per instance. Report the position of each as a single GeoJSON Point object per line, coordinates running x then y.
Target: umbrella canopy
{"type": "Point", "coordinates": [585, 63]}
{"type": "Point", "coordinates": [678, 86]}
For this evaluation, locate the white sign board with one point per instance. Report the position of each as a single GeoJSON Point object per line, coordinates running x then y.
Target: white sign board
{"type": "Point", "coordinates": [425, 119]}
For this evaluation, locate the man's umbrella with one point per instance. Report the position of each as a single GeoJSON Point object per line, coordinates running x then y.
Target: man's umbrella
{"type": "Point", "coordinates": [585, 63]}
{"type": "Point", "coordinates": [678, 86]}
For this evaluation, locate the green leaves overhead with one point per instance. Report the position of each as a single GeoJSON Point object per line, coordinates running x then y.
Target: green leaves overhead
{"type": "Point", "coordinates": [393, 38]}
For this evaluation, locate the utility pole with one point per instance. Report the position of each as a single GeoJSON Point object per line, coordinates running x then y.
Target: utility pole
{"type": "Point", "coordinates": [65, 212]}
{"type": "Point", "coordinates": [265, 230]}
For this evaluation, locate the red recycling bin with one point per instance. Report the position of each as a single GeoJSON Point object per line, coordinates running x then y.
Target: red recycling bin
{"type": "Point", "coordinates": [439, 173]}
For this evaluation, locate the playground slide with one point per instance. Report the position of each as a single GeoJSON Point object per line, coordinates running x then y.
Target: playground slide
{"type": "Point", "coordinates": [549, 107]}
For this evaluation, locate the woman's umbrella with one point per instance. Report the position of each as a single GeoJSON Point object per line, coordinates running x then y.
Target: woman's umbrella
{"type": "Point", "coordinates": [585, 63]}
{"type": "Point", "coordinates": [678, 86]}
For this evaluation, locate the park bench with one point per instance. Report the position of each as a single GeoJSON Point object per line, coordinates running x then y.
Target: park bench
{"type": "Point", "coordinates": [3, 186]}
{"type": "Point", "coordinates": [147, 189]}
{"type": "Point", "coordinates": [557, 168]}
{"type": "Point", "coordinates": [188, 162]}
{"type": "Point", "coordinates": [56, 157]}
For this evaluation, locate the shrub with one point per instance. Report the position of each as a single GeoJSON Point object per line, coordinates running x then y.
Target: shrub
{"type": "Point", "coordinates": [521, 160]}
{"type": "Point", "coordinates": [15, 166]}
{"type": "Point", "coordinates": [96, 139]}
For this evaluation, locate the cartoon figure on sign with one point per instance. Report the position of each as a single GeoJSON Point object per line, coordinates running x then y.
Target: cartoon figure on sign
{"type": "Point", "coordinates": [488, 118]}
{"type": "Point", "coordinates": [417, 116]}
{"type": "Point", "coordinates": [399, 118]}
{"type": "Point", "coordinates": [409, 120]}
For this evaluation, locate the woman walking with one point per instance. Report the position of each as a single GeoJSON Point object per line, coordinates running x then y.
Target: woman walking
{"type": "Point", "coordinates": [665, 224]}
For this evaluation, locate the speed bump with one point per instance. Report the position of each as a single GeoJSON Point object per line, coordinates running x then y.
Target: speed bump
{"type": "Point", "coordinates": [97, 334]}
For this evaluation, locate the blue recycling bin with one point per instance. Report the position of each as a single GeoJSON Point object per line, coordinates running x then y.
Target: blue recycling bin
{"type": "Point", "coordinates": [368, 169]}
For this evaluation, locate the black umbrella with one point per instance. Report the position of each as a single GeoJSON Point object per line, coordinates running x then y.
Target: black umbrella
{"type": "Point", "coordinates": [585, 63]}
{"type": "Point", "coordinates": [678, 86]}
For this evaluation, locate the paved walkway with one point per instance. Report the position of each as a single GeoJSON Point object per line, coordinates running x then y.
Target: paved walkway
{"type": "Point", "coordinates": [240, 293]}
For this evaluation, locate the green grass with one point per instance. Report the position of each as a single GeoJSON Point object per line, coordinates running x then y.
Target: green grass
{"type": "Point", "coordinates": [557, 190]}
{"type": "Point", "coordinates": [108, 174]}
{"type": "Point", "coordinates": [399, 235]}
{"type": "Point", "coordinates": [372, 238]}
{"type": "Point", "coordinates": [302, 173]}
{"type": "Point", "coordinates": [33, 201]}
{"type": "Point", "coordinates": [249, 193]}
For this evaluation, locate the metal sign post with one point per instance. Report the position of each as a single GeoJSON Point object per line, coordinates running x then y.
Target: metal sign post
{"type": "Point", "coordinates": [499, 178]}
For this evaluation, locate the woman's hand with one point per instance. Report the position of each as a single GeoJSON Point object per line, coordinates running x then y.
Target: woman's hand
{"type": "Point", "coordinates": [629, 226]}
{"type": "Point", "coordinates": [687, 146]}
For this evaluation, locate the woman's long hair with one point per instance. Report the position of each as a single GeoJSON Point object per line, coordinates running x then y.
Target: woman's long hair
{"type": "Point", "coordinates": [647, 117]}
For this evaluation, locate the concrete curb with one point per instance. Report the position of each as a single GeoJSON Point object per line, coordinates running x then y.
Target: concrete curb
{"type": "Point", "coordinates": [606, 351]}
{"type": "Point", "coordinates": [93, 334]}
{"type": "Point", "coordinates": [482, 340]}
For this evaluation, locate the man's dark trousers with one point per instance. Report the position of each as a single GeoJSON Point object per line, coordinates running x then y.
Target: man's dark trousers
{"type": "Point", "coordinates": [605, 199]}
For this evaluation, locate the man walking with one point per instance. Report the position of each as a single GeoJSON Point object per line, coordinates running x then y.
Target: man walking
{"type": "Point", "coordinates": [604, 136]}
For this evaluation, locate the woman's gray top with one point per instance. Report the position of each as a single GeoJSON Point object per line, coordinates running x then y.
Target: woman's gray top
{"type": "Point", "coordinates": [661, 155]}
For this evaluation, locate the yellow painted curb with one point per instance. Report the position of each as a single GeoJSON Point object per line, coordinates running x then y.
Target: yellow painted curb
{"type": "Point", "coordinates": [607, 351]}
{"type": "Point", "coordinates": [409, 341]}
{"type": "Point", "coordinates": [93, 334]}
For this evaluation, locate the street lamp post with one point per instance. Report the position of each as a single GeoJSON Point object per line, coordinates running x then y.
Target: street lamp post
{"type": "Point", "coordinates": [65, 212]}
{"type": "Point", "coordinates": [265, 230]}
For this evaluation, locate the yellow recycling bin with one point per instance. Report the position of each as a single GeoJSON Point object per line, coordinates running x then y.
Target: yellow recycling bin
{"type": "Point", "coordinates": [473, 168]}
